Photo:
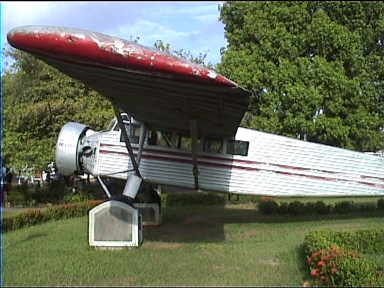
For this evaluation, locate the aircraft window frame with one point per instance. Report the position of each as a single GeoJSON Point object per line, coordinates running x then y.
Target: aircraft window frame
{"type": "Point", "coordinates": [132, 132]}
{"type": "Point", "coordinates": [209, 149]}
{"type": "Point", "coordinates": [236, 148]}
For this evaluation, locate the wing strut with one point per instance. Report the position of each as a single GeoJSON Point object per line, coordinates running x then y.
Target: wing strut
{"type": "Point", "coordinates": [195, 169]}
{"type": "Point", "coordinates": [126, 140]}
{"type": "Point", "coordinates": [133, 183]}
{"type": "Point", "coordinates": [143, 135]}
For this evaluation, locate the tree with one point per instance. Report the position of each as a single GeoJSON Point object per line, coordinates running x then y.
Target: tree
{"type": "Point", "coordinates": [38, 101]}
{"type": "Point", "coordinates": [315, 69]}
{"type": "Point", "coordinates": [185, 54]}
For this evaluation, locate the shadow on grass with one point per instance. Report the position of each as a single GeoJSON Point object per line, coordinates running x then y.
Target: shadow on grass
{"type": "Point", "coordinates": [206, 224]}
{"type": "Point", "coordinates": [30, 237]}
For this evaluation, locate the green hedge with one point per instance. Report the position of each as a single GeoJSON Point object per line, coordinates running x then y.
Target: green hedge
{"type": "Point", "coordinates": [334, 258]}
{"type": "Point", "coordinates": [37, 216]}
{"type": "Point", "coordinates": [55, 193]}
{"type": "Point", "coordinates": [270, 207]}
{"type": "Point", "coordinates": [195, 198]}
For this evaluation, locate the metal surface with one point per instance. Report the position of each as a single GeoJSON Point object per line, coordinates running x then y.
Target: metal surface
{"type": "Point", "coordinates": [159, 89]}
{"type": "Point", "coordinates": [132, 186]}
{"type": "Point", "coordinates": [104, 187]}
{"type": "Point", "coordinates": [114, 224]}
{"type": "Point", "coordinates": [275, 165]}
{"type": "Point", "coordinates": [67, 147]}
{"type": "Point", "coordinates": [126, 141]}
{"type": "Point", "coordinates": [195, 169]}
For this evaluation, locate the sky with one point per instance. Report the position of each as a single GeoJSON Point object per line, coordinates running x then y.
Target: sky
{"type": "Point", "coordinates": [192, 26]}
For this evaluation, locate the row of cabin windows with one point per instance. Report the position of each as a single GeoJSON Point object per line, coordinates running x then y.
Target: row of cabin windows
{"type": "Point", "coordinates": [211, 145]}
{"type": "Point", "coordinates": [177, 141]}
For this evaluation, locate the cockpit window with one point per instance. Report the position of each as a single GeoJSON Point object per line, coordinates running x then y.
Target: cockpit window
{"type": "Point", "coordinates": [111, 125]}
{"type": "Point", "coordinates": [133, 133]}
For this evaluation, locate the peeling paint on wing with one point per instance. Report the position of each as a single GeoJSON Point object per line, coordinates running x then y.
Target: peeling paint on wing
{"type": "Point", "coordinates": [119, 47]}
{"type": "Point", "coordinates": [98, 43]}
{"type": "Point", "coordinates": [212, 74]}
{"type": "Point", "coordinates": [80, 36]}
{"type": "Point", "coordinates": [195, 72]}
{"type": "Point", "coordinates": [134, 53]}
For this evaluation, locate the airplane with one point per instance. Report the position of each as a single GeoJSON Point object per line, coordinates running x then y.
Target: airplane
{"type": "Point", "coordinates": [177, 123]}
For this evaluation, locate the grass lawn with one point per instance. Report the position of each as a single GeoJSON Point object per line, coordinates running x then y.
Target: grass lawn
{"type": "Point", "coordinates": [212, 245]}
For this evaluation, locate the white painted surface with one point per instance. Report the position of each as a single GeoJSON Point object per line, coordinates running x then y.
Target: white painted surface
{"type": "Point", "coordinates": [275, 165]}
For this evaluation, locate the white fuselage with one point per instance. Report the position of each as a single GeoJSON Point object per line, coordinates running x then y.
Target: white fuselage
{"type": "Point", "coordinates": [274, 165]}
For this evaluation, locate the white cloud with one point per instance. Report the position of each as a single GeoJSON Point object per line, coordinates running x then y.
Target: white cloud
{"type": "Point", "coordinates": [18, 13]}
{"type": "Point", "coordinates": [149, 32]}
{"type": "Point", "coordinates": [207, 18]}
{"type": "Point", "coordinates": [192, 26]}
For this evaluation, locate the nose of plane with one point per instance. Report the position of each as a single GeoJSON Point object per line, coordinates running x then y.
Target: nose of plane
{"type": "Point", "coordinates": [68, 148]}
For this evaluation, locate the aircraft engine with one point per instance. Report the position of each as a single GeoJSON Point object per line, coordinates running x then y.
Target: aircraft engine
{"type": "Point", "coordinates": [70, 147]}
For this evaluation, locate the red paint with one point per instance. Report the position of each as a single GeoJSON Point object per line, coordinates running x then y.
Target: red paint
{"type": "Point", "coordinates": [98, 49]}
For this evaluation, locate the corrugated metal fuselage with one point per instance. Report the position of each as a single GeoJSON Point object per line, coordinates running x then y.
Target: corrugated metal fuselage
{"type": "Point", "coordinates": [275, 165]}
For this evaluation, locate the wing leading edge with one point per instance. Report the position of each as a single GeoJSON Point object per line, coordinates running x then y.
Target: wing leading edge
{"type": "Point", "coordinates": [164, 91]}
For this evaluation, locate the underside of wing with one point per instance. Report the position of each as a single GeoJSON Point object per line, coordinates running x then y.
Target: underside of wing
{"type": "Point", "coordinates": [158, 89]}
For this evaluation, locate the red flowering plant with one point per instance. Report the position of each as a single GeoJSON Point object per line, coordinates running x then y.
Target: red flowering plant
{"type": "Point", "coordinates": [323, 265]}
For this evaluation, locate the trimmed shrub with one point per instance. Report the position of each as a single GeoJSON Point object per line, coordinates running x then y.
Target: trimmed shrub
{"type": "Point", "coordinates": [283, 208]}
{"type": "Point", "coordinates": [322, 208]}
{"type": "Point", "coordinates": [268, 207]}
{"type": "Point", "coordinates": [337, 267]}
{"type": "Point", "coordinates": [296, 208]}
{"type": "Point", "coordinates": [33, 217]}
{"type": "Point", "coordinates": [355, 271]}
{"type": "Point", "coordinates": [366, 207]}
{"type": "Point", "coordinates": [380, 204]}
{"type": "Point", "coordinates": [333, 258]}
{"type": "Point", "coordinates": [344, 207]}
{"type": "Point", "coordinates": [195, 198]}
{"type": "Point", "coordinates": [364, 241]}
{"type": "Point", "coordinates": [309, 208]}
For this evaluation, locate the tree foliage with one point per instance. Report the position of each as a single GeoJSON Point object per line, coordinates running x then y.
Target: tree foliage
{"type": "Point", "coordinates": [38, 101]}
{"type": "Point", "coordinates": [200, 59]}
{"type": "Point", "coordinates": [315, 68]}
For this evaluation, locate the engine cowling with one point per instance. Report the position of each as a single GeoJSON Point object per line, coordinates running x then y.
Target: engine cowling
{"type": "Point", "coordinates": [69, 147]}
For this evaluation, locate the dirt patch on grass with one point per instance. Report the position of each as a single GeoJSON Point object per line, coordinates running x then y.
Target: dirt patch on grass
{"type": "Point", "coordinates": [252, 232]}
{"type": "Point", "coordinates": [195, 219]}
{"type": "Point", "coordinates": [163, 245]}
{"type": "Point", "coordinates": [271, 262]}
{"type": "Point", "coordinates": [216, 267]}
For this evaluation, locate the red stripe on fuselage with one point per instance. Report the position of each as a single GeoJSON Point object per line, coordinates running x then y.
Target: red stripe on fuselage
{"type": "Point", "coordinates": [226, 166]}
{"type": "Point", "coordinates": [238, 161]}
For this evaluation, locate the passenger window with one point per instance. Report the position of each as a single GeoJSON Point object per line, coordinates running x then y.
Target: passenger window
{"type": "Point", "coordinates": [167, 139]}
{"type": "Point", "coordinates": [186, 143]}
{"type": "Point", "coordinates": [133, 132]}
{"type": "Point", "coordinates": [152, 137]}
{"type": "Point", "coordinates": [237, 147]}
{"type": "Point", "coordinates": [134, 135]}
{"type": "Point", "coordinates": [213, 145]}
